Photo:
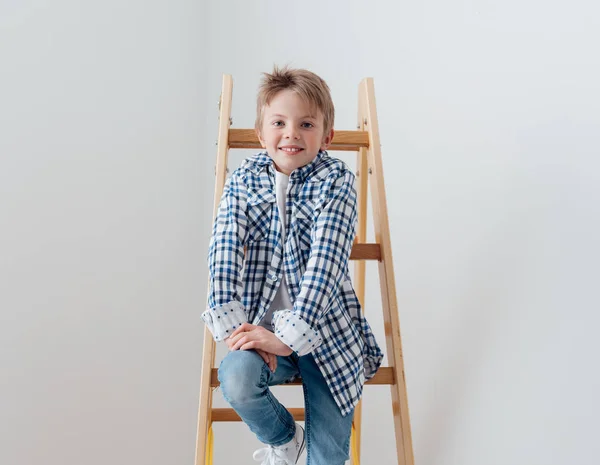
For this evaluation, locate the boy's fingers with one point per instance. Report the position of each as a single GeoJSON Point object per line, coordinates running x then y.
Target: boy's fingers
{"type": "Point", "coordinates": [249, 345]}
{"type": "Point", "coordinates": [231, 340]}
{"type": "Point", "coordinates": [264, 356]}
{"type": "Point", "coordinates": [243, 327]}
{"type": "Point", "coordinates": [270, 359]}
{"type": "Point", "coordinates": [231, 346]}
{"type": "Point", "coordinates": [237, 340]}
{"type": "Point", "coordinates": [270, 362]}
{"type": "Point", "coordinates": [244, 338]}
{"type": "Point", "coordinates": [234, 338]}
{"type": "Point", "coordinates": [237, 331]}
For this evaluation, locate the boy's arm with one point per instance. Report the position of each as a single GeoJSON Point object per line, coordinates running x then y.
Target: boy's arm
{"type": "Point", "coordinates": [225, 260]}
{"type": "Point", "coordinates": [332, 236]}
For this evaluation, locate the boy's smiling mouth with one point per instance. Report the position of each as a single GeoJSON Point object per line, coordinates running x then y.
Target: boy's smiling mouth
{"type": "Point", "coordinates": [291, 149]}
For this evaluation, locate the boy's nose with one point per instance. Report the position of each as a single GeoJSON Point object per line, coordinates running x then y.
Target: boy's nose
{"type": "Point", "coordinates": [293, 134]}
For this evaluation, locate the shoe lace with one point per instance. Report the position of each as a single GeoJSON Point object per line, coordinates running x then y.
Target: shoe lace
{"type": "Point", "coordinates": [270, 456]}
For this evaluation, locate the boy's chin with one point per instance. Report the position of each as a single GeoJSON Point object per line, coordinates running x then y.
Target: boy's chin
{"type": "Point", "coordinates": [286, 163]}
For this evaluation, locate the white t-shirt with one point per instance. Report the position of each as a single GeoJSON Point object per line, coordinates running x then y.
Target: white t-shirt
{"type": "Point", "coordinates": [282, 299]}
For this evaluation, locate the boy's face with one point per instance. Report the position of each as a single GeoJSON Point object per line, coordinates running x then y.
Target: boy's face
{"type": "Point", "coordinates": [290, 134]}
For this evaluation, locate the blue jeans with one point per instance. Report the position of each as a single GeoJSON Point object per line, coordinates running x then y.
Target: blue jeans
{"type": "Point", "coordinates": [245, 379]}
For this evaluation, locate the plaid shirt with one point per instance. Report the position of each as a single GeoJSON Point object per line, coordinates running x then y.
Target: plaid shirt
{"type": "Point", "coordinates": [326, 318]}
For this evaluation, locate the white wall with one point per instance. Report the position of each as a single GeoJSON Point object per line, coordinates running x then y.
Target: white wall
{"type": "Point", "coordinates": [489, 118]}
{"type": "Point", "coordinates": [103, 230]}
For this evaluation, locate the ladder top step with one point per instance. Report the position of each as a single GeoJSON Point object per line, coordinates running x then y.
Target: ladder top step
{"type": "Point", "coordinates": [351, 141]}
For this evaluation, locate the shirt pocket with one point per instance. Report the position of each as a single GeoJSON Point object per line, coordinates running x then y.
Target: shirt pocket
{"type": "Point", "coordinates": [260, 212]}
{"type": "Point", "coordinates": [304, 215]}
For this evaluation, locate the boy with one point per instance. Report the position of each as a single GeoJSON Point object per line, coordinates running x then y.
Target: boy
{"type": "Point", "coordinates": [287, 307]}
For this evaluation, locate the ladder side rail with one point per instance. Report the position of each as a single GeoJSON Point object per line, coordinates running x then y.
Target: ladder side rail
{"type": "Point", "coordinates": [209, 346]}
{"type": "Point", "coordinates": [387, 279]}
{"type": "Point", "coordinates": [362, 186]}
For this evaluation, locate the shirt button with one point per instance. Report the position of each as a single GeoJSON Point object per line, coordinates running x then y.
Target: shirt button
{"type": "Point", "coordinates": [273, 277]}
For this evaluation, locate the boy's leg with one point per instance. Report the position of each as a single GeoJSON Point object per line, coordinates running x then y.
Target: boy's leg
{"type": "Point", "coordinates": [245, 379]}
{"type": "Point", "coordinates": [327, 431]}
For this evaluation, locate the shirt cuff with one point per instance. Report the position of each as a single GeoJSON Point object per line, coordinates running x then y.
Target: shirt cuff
{"type": "Point", "coordinates": [223, 320]}
{"type": "Point", "coordinates": [295, 333]}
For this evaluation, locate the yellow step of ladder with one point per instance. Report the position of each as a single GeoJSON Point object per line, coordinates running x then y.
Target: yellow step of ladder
{"type": "Point", "coordinates": [364, 141]}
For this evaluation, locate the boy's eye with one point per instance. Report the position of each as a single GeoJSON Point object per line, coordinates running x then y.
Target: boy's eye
{"type": "Point", "coordinates": [278, 123]}
{"type": "Point", "coordinates": [307, 125]}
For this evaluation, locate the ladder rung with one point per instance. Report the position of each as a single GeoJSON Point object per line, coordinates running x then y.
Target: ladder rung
{"type": "Point", "coordinates": [228, 414]}
{"type": "Point", "coordinates": [385, 375]}
{"type": "Point", "coordinates": [342, 140]}
{"type": "Point", "coordinates": [365, 252]}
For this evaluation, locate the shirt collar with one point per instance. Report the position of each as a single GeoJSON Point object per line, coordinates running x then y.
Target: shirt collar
{"type": "Point", "coordinates": [262, 161]}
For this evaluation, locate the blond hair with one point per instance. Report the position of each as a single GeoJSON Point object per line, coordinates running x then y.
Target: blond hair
{"type": "Point", "coordinates": [306, 84]}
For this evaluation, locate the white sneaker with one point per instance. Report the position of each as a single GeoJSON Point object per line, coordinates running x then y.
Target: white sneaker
{"type": "Point", "coordinates": [287, 454]}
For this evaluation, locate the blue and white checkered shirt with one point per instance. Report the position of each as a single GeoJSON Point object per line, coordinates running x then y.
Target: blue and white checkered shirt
{"type": "Point", "coordinates": [326, 318]}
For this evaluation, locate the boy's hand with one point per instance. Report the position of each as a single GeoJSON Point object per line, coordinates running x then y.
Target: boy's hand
{"type": "Point", "coordinates": [249, 336]}
{"type": "Point", "coordinates": [270, 359]}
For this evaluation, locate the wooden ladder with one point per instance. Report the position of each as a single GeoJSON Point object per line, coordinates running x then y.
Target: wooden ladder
{"type": "Point", "coordinates": [364, 141]}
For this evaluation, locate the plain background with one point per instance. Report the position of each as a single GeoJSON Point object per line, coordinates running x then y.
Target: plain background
{"type": "Point", "coordinates": [490, 125]}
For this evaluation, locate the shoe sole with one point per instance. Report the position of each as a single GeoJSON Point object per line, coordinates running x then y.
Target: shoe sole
{"type": "Point", "coordinates": [302, 446]}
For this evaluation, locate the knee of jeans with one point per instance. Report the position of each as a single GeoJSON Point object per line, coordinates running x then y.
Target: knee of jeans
{"type": "Point", "coordinates": [240, 375]}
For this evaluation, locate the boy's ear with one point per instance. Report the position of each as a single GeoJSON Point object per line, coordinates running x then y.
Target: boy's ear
{"type": "Point", "coordinates": [327, 140]}
{"type": "Point", "coordinates": [260, 139]}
